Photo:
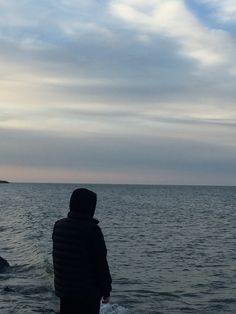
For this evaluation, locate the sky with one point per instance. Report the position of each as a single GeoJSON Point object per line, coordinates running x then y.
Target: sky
{"type": "Point", "coordinates": [118, 91]}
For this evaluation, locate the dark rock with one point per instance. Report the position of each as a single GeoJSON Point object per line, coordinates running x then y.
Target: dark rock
{"type": "Point", "coordinates": [8, 289]}
{"type": "Point", "coordinates": [3, 264]}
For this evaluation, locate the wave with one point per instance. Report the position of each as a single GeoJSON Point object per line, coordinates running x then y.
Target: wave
{"type": "Point", "coordinates": [114, 309]}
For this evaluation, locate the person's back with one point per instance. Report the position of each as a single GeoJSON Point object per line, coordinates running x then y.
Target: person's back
{"type": "Point", "coordinates": [81, 272]}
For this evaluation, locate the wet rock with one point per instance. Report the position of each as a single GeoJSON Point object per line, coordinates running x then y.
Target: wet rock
{"type": "Point", "coordinates": [3, 264]}
{"type": "Point", "coordinates": [8, 289]}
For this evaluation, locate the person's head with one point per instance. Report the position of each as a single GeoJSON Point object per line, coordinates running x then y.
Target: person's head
{"type": "Point", "coordinates": [83, 201]}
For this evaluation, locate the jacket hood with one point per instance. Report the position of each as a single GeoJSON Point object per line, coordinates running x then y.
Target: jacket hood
{"type": "Point", "coordinates": [83, 202]}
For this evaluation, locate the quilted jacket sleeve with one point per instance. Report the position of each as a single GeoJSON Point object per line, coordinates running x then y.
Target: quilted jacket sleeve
{"type": "Point", "coordinates": [100, 260]}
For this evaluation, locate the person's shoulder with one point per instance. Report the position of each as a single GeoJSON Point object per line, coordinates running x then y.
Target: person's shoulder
{"type": "Point", "coordinates": [61, 221]}
{"type": "Point", "coordinates": [58, 226]}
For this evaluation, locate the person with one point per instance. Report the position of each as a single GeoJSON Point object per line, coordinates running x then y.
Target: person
{"type": "Point", "coordinates": [81, 273]}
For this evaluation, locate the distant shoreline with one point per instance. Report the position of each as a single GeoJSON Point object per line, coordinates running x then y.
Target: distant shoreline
{"type": "Point", "coordinates": [3, 181]}
{"type": "Point", "coordinates": [124, 184]}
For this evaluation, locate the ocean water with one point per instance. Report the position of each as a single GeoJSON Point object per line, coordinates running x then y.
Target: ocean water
{"type": "Point", "coordinates": [171, 249]}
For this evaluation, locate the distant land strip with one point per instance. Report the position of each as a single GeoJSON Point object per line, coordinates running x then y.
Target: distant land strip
{"type": "Point", "coordinates": [3, 181]}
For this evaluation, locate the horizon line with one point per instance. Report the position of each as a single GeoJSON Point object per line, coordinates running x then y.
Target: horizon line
{"type": "Point", "coordinates": [107, 183]}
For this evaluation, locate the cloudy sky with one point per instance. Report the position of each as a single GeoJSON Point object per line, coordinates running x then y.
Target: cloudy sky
{"type": "Point", "coordinates": [118, 91]}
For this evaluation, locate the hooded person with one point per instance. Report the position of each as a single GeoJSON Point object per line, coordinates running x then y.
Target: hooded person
{"type": "Point", "coordinates": [81, 272]}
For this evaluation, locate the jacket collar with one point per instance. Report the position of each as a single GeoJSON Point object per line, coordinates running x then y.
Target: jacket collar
{"type": "Point", "coordinates": [75, 215]}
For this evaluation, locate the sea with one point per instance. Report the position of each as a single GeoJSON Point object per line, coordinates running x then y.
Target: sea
{"type": "Point", "coordinates": [171, 249]}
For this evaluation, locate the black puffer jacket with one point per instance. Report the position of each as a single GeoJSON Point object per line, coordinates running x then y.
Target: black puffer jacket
{"type": "Point", "coordinates": [79, 251]}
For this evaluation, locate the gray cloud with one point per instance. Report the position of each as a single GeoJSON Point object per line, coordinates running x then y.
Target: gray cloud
{"type": "Point", "coordinates": [82, 90]}
{"type": "Point", "coordinates": [131, 72]}
{"type": "Point", "coordinates": [96, 152]}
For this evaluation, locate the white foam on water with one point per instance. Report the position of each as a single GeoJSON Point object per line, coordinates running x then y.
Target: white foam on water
{"type": "Point", "coordinates": [113, 309]}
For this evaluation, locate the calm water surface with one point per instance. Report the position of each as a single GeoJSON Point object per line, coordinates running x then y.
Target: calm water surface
{"type": "Point", "coordinates": [171, 249]}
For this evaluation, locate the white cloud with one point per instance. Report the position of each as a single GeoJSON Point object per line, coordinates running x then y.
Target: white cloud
{"type": "Point", "coordinates": [76, 29]}
{"type": "Point", "coordinates": [225, 9]}
{"type": "Point", "coordinates": [172, 18]}
{"type": "Point", "coordinates": [65, 76]}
